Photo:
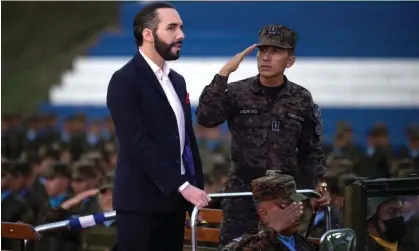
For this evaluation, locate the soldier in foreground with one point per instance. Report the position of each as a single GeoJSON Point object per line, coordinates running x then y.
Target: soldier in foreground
{"type": "Point", "coordinates": [274, 124]}
{"type": "Point", "coordinates": [279, 208]}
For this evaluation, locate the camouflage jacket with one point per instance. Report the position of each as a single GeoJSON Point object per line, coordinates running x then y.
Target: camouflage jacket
{"type": "Point", "coordinates": [284, 134]}
{"type": "Point", "coordinates": [266, 240]}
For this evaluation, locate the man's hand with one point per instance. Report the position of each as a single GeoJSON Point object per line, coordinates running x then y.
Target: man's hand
{"type": "Point", "coordinates": [79, 198]}
{"type": "Point", "coordinates": [324, 201]}
{"type": "Point", "coordinates": [286, 217]}
{"type": "Point", "coordinates": [233, 64]}
{"type": "Point", "coordinates": [196, 196]}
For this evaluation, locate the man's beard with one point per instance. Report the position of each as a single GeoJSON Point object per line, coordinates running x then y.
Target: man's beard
{"type": "Point", "coordinates": [165, 50]}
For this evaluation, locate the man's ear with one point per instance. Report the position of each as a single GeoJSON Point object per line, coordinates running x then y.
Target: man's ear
{"type": "Point", "coordinates": [148, 35]}
{"type": "Point", "coordinates": [290, 61]}
{"type": "Point", "coordinates": [263, 214]}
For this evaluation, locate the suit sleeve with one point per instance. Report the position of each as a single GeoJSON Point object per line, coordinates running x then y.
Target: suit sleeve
{"type": "Point", "coordinates": [213, 108]}
{"type": "Point", "coordinates": [122, 102]}
{"type": "Point", "coordinates": [310, 152]}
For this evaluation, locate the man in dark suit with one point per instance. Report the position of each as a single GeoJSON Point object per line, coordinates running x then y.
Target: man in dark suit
{"type": "Point", "coordinates": [159, 173]}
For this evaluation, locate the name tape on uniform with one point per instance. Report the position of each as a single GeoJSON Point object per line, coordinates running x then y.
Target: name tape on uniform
{"type": "Point", "coordinates": [294, 116]}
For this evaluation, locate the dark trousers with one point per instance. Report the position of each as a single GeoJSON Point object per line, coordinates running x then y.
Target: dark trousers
{"type": "Point", "coordinates": [138, 231]}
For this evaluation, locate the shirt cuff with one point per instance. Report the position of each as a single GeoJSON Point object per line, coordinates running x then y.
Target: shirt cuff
{"type": "Point", "coordinates": [182, 187]}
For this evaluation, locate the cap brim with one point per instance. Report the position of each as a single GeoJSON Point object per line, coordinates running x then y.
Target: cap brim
{"type": "Point", "coordinates": [105, 187]}
{"type": "Point", "coordinates": [273, 45]}
{"type": "Point", "coordinates": [48, 175]}
{"type": "Point", "coordinates": [264, 41]}
{"type": "Point", "coordinates": [297, 197]}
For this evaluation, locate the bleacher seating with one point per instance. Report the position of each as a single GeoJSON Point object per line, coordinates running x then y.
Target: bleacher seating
{"type": "Point", "coordinates": [360, 60]}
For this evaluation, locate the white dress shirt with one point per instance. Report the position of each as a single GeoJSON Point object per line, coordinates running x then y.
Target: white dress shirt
{"type": "Point", "coordinates": [163, 76]}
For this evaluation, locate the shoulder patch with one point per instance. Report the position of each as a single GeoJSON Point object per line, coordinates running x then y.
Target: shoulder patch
{"type": "Point", "coordinates": [316, 113]}
{"type": "Point", "coordinates": [316, 117]}
{"type": "Point", "coordinates": [319, 129]}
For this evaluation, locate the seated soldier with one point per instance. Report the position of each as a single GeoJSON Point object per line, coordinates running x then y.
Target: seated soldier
{"type": "Point", "coordinates": [280, 208]}
{"type": "Point", "coordinates": [386, 225]}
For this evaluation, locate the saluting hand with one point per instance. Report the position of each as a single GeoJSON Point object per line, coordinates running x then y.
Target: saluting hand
{"type": "Point", "coordinates": [233, 64]}
{"type": "Point", "coordinates": [79, 198]}
{"type": "Point", "coordinates": [281, 219]}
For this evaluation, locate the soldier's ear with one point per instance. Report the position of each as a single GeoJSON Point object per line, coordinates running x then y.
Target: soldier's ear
{"type": "Point", "coordinates": [291, 60]}
{"type": "Point", "coordinates": [263, 215]}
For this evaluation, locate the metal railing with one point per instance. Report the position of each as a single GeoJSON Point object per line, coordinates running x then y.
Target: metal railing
{"type": "Point", "coordinates": [100, 218]}
{"type": "Point", "coordinates": [76, 223]}
{"type": "Point", "coordinates": [307, 192]}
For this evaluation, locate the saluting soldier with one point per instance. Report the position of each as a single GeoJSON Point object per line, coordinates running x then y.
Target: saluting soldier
{"type": "Point", "coordinates": [274, 124]}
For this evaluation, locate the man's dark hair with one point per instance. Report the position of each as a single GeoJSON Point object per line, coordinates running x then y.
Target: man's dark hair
{"type": "Point", "coordinates": [147, 17]}
{"type": "Point", "coordinates": [21, 168]}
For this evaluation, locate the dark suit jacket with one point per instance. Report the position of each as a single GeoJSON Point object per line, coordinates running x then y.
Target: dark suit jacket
{"type": "Point", "coordinates": [148, 176]}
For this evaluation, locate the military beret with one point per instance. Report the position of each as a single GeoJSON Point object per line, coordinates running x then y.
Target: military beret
{"type": "Point", "coordinates": [275, 185]}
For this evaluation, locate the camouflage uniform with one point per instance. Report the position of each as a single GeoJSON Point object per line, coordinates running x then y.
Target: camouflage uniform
{"type": "Point", "coordinates": [266, 134]}
{"type": "Point", "coordinates": [58, 240]}
{"type": "Point", "coordinates": [85, 170]}
{"type": "Point", "coordinates": [270, 188]}
{"type": "Point", "coordinates": [102, 237]}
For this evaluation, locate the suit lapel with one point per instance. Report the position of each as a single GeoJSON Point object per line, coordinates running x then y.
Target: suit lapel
{"type": "Point", "coordinates": [148, 74]}
{"type": "Point", "coordinates": [177, 85]}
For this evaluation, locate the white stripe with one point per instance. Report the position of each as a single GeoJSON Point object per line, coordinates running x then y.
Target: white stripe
{"type": "Point", "coordinates": [87, 221]}
{"type": "Point", "coordinates": [332, 82]}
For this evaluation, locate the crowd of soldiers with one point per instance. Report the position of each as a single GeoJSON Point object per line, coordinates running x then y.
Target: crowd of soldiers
{"type": "Point", "coordinates": [54, 170]}
{"type": "Point", "coordinates": [50, 174]}
{"type": "Point", "coordinates": [378, 159]}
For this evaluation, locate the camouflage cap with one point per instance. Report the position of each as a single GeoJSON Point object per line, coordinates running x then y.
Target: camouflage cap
{"type": "Point", "coordinates": [378, 130]}
{"type": "Point", "coordinates": [58, 170]}
{"type": "Point", "coordinates": [278, 36]}
{"type": "Point", "coordinates": [84, 170]}
{"type": "Point", "coordinates": [109, 182]}
{"type": "Point", "coordinates": [343, 127]}
{"type": "Point", "coordinates": [275, 185]}
{"type": "Point", "coordinates": [91, 156]}
{"type": "Point", "coordinates": [374, 203]}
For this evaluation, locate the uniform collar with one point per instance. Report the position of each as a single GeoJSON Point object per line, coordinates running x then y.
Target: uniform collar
{"type": "Point", "coordinates": [55, 201]}
{"type": "Point", "coordinates": [160, 73]}
{"type": "Point", "coordinates": [258, 87]}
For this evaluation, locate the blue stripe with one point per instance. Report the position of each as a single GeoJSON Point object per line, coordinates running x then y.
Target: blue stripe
{"type": "Point", "coordinates": [74, 224]}
{"type": "Point", "coordinates": [99, 218]}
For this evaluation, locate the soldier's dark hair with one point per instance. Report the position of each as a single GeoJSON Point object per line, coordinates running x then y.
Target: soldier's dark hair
{"type": "Point", "coordinates": [147, 17]}
{"type": "Point", "coordinates": [22, 168]}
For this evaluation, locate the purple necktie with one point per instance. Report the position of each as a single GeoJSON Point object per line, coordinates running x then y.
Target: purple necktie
{"type": "Point", "coordinates": [188, 160]}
